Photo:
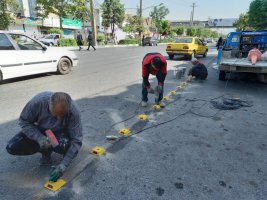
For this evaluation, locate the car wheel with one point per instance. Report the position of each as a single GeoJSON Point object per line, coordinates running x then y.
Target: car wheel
{"type": "Point", "coordinates": [51, 44]}
{"type": "Point", "coordinates": [150, 44]}
{"type": "Point", "coordinates": [205, 54]}
{"type": "Point", "coordinates": [222, 75]}
{"type": "Point", "coordinates": [1, 77]}
{"type": "Point", "coordinates": [156, 44]}
{"type": "Point", "coordinates": [171, 57]}
{"type": "Point", "coordinates": [64, 66]}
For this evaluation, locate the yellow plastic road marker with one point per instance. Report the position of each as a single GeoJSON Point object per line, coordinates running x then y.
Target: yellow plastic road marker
{"type": "Point", "coordinates": [173, 92]}
{"type": "Point", "coordinates": [184, 83]}
{"type": "Point", "coordinates": [156, 107]}
{"type": "Point", "coordinates": [124, 131]}
{"type": "Point", "coordinates": [143, 117]}
{"type": "Point", "coordinates": [54, 186]}
{"type": "Point", "coordinates": [179, 87]}
{"type": "Point", "coordinates": [166, 98]}
{"type": "Point", "coordinates": [98, 151]}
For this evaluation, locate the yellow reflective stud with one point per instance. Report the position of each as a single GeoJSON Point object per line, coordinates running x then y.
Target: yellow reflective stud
{"type": "Point", "coordinates": [143, 117]}
{"type": "Point", "coordinates": [124, 131]}
{"type": "Point", "coordinates": [98, 151]}
{"type": "Point", "coordinates": [166, 98]}
{"type": "Point", "coordinates": [184, 83]}
{"type": "Point", "coordinates": [54, 186]}
{"type": "Point", "coordinates": [173, 92]}
{"type": "Point", "coordinates": [179, 87]}
{"type": "Point", "coordinates": [156, 107]}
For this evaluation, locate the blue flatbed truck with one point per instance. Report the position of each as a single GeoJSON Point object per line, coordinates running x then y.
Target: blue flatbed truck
{"type": "Point", "coordinates": [232, 57]}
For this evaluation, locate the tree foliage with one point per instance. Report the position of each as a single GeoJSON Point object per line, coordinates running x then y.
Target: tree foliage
{"type": "Point", "coordinates": [158, 15]}
{"type": "Point", "coordinates": [113, 12]}
{"type": "Point", "coordinates": [133, 24]}
{"type": "Point", "coordinates": [191, 31]}
{"type": "Point", "coordinates": [179, 30]}
{"type": "Point", "coordinates": [242, 22]}
{"type": "Point", "coordinates": [61, 8]}
{"type": "Point", "coordinates": [7, 10]}
{"type": "Point", "coordinates": [165, 27]}
{"type": "Point", "coordinates": [257, 15]}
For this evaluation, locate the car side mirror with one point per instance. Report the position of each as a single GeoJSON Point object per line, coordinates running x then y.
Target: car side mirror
{"type": "Point", "coordinates": [44, 48]}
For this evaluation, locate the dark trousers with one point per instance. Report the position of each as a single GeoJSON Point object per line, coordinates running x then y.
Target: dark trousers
{"type": "Point", "coordinates": [145, 93]}
{"type": "Point", "coordinates": [21, 145]}
{"type": "Point", "coordinates": [89, 45]}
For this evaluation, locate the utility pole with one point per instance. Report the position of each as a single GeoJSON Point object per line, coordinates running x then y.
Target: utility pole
{"type": "Point", "coordinates": [141, 8]}
{"type": "Point", "coordinates": [193, 12]}
{"type": "Point", "coordinates": [93, 20]}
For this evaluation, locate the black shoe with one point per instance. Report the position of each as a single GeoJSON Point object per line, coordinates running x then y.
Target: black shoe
{"type": "Point", "coordinates": [87, 49]}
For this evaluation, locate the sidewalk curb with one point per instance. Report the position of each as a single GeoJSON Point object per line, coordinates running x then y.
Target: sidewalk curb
{"type": "Point", "coordinates": [108, 46]}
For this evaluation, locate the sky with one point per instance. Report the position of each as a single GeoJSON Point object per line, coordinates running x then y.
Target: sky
{"type": "Point", "coordinates": [181, 9]}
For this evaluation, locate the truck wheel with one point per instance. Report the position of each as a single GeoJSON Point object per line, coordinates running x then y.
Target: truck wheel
{"type": "Point", "coordinates": [1, 77]}
{"type": "Point", "coordinates": [171, 57]}
{"type": "Point", "coordinates": [64, 66]}
{"type": "Point", "coordinates": [222, 75]}
{"type": "Point", "coordinates": [205, 54]}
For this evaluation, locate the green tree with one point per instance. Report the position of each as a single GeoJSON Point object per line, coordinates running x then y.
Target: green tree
{"type": "Point", "coordinates": [113, 12]}
{"type": "Point", "coordinates": [158, 15]}
{"type": "Point", "coordinates": [165, 27]}
{"type": "Point", "coordinates": [191, 31]}
{"type": "Point", "coordinates": [242, 22]}
{"type": "Point", "coordinates": [257, 15]}
{"type": "Point", "coordinates": [199, 32]}
{"type": "Point", "coordinates": [179, 30]}
{"type": "Point", "coordinates": [62, 8]}
{"type": "Point", "coordinates": [7, 10]}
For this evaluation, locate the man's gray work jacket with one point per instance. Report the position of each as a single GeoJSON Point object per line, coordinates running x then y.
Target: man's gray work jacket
{"type": "Point", "coordinates": [36, 118]}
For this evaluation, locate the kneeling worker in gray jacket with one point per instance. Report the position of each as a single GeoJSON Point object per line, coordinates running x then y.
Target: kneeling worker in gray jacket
{"type": "Point", "coordinates": [54, 112]}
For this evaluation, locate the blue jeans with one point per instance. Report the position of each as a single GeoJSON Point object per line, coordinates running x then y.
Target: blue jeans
{"type": "Point", "coordinates": [145, 92]}
{"type": "Point", "coordinates": [21, 145]}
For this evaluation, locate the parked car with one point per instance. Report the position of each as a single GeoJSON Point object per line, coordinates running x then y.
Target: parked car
{"type": "Point", "coordinates": [151, 41]}
{"type": "Point", "coordinates": [22, 55]}
{"type": "Point", "coordinates": [187, 46]}
{"type": "Point", "coordinates": [50, 40]}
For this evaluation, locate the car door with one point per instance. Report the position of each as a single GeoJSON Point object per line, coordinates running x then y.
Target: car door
{"type": "Point", "coordinates": [198, 46]}
{"type": "Point", "coordinates": [11, 63]}
{"type": "Point", "coordinates": [36, 58]}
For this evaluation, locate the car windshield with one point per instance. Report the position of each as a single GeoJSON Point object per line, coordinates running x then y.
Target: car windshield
{"type": "Point", "coordinates": [184, 40]}
{"type": "Point", "coordinates": [49, 37]}
{"type": "Point", "coordinates": [148, 38]}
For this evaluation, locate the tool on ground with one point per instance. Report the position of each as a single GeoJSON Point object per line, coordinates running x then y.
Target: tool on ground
{"type": "Point", "coordinates": [112, 137]}
{"type": "Point", "coordinates": [52, 138]}
{"type": "Point", "coordinates": [54, 186]}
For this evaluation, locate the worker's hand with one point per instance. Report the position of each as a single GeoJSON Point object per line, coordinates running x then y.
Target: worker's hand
{"type": "Point", "coordinates": [56, 172]}
{"type": "Point", "coordinates": [44, 143]}
{"type": "Point", "coordinates": [159, 89]}
{"type": "Point", "coordinates": [151, 91]}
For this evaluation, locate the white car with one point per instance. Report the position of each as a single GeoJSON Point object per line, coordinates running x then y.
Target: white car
{"type": "Point", "coordinates": [50, 40]}
{"type": "Point", "coordinates": [21, 55]}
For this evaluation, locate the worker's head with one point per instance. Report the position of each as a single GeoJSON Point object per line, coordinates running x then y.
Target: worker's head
{"type": "Point", "coordinates": [156, 63]}
{"type": "Point", "coordinates": [194, 61]}
{"type": "Point", "coordinates": [59, 104]}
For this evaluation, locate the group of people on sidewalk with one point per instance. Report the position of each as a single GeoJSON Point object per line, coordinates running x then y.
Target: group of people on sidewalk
{"type": "Point", "coordinates": [57, 113]}
{"type": "Point", "coordinates": [90, 40]}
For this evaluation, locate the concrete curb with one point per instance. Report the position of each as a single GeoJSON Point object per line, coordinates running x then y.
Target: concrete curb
{"type": "Point", "coordinates": [108, 46]}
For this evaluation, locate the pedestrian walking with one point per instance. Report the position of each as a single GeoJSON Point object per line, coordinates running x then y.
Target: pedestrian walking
{"type": "Point", "coordinates": [155, 64]}
{"type": "Point", "coordinates": [199, 70]}
{"type": "Point", "coordinates": [219, 43]}
{"type": "Point", "coordinates": [49, 112]}
{"type": "Point", "coordinates": [79, 40]}
{"type": "Point", "coordinates": [90, 41]}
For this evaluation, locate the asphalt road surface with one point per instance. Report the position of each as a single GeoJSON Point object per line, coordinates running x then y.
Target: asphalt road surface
{"type": "Point", "coordinates": [188, 150]}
